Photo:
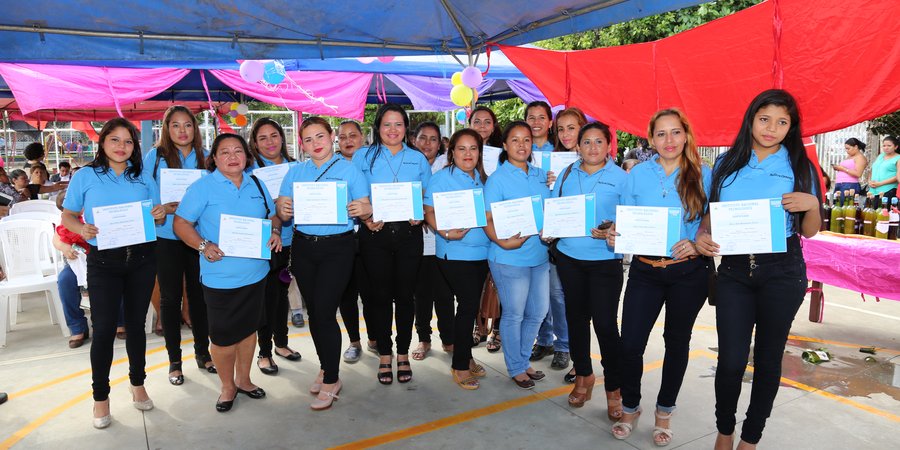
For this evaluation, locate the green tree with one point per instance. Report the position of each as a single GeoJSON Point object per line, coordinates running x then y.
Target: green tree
{"type": "Point", "coordinates": [886, 125]}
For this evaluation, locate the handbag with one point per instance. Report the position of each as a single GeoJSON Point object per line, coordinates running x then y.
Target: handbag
{"type": "Point", "coordinates": [711, 281]}
{"type": "Point", "coordinates": [490, 299]}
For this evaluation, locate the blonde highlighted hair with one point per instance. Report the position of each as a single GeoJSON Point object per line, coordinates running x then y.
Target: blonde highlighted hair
{"type": "Point", "coordinates": [690, 175]}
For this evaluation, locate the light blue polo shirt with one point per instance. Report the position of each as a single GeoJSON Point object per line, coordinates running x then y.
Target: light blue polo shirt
{"type": "Point", "coordinates": [608, 186]}
{"type": "Point", "coordinates": [508, 183]}
{"type": "Point", "coordinates": [472, 247]}
{"type": "Point", "coordinates": [342, 170]}
{"type": "Point", "coordinates": [287, 229]}
{"type": "Point", "coordinates": [407, 165]}
{"type": "Point", "coordinates": [771, 178]}
{"type": "Point", "coordinates": [204, 203]}
{"type": "Point", "coordinates": [90, 188]}
{"type": "Point", "coordinates": [547, 147]}
{"type": "Point", "coordinates": [165, 230]}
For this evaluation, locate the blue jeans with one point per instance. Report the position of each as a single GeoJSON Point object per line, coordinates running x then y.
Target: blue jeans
{"type": "Point", "coordinates": [70, 295]}
{"type": "Point", "coordinates": [525, 298]}
{"type": "Point", "coordinates": [555, 321]}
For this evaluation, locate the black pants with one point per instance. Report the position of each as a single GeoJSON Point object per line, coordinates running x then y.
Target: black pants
{"type": "Point", "coordinates": [356, 290]}
{"type": "Point", "coordinates": [592, 290]}
{"type": "Point", "coordinates": [465, 279]}
{"type": "Point", "coordinates": [321, 271]}
{"type": "Point", "coordinates": [682, 288]}
{"type": "Point", "coordinates": [178, 270]}
{"type": "Point", "coordinates": [765, 292]}
{"type": "Point", "coordinates": [392, 257]}
{"type": "Point", "coordinates": [276, 306]}
{"type": "Point", "coordinates": [432, 293]}
{"type": "Point", "coordinates": [119, 278]}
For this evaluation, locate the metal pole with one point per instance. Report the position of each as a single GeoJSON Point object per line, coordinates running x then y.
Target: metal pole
{"type": "Point", "coordinates": [147, 135]}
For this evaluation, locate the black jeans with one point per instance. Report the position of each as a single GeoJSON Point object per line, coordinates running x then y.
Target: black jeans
{"type": "Point", "coordinates": [392, 257]}
{"type": "Point", "coordinates": [177, 270]}
{"type": "Point", "coordinates": [764, 291]}
{"type": "Point", "coordinates": [356, 290]}
{"type": "Point", "coordinates": [119, 278]}
{"type": "Point", "coordinates": [682, 288]}
{"type": "Point", "coordinates": [432, 293]}
{"type": "Point", "coordinates": [276, 306]}
{"type": "Point", "coordinates": [320, 267]}
{"type": "Point", "coordinates": [465, 279]}
{"type": "Point", "coordinates": [592, 290]}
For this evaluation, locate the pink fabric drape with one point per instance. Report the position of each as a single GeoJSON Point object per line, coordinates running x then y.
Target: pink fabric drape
{"type": "Point", "coordinates": [863, 265]}
{"type": "Point", "coordinates": [39, 86]}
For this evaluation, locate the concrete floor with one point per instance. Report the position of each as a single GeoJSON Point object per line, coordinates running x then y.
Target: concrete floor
{"type": "Point", "coordinates": [844, 404]}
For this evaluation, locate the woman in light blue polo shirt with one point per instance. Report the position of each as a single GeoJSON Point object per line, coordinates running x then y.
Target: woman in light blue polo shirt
{"type": "Point", "coordinates": [590, 273]}
{"type": "Point", "coordinates": [763, 291]}
{"type": "Point", "coordinates": [676, 178]}
{"type": "Point", "coordinates": [180, 146]}
{"type": "Point", "coordinates": [392, 251]}
{"type": "Point", "coordinates": [539, 118]}
{"type": "Point", "coordinates": [268, 147]}
{"type": "Point", "coordinates": [519, 264]}
{"type": "Point", "coordinates": [234, 287]}
{"type": "Point", "coordinates": [461, 253]}
{"type": "Point", "coordinates": [117, 276]}
{"type": "Point", "coordinates": [322, 255]}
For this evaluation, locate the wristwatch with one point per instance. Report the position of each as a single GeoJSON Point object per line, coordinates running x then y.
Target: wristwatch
{"type": "Point", "coordinates": [202, 246]}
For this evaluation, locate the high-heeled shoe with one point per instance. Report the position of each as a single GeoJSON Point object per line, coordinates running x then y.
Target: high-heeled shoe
{"type": "Point", "coordinates": [477, 370]}
{"type": "Point", "coordinates": [176, 380]}
{"type": "Point", "coordinates": [569, 377]}
{"type": "Point", "coordinates": [469, 383]}
{"type": "Point", "coordinates": [316, 387]}
{"type": "Point", "coordinates": [404, 375]}
{"type": "Point", "coordinates": [626, 428]}
{"type": "Point", "coordinates": [659, 432]}
{"type": "Point", "coordinates": [102, 422]}
{"type": "Point", "coordinates": [203, 360]}
{"type": "Point", "coordinates": [225, 406]}
{"type": "Point", "coordinates": [319, 403]}
{"type": "Point", "coordinates": [385, 378]}
{"type": "Point", "coordinates": [614, 405]}
{"type": "Point", "coordinates": [142, 405]}
{"type": "Point", "coordinates": [581, 393]}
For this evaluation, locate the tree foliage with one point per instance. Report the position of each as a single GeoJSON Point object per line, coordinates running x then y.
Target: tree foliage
{"type": "Point", "coordinates": [886, 125]}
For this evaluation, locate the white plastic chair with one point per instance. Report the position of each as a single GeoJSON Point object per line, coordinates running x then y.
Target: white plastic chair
{"type": "Point", "coordinates": [22, 243]}
{"type": "Point", "coordinates": [51, 259]}
{"type": "Point", "coordinates": [34, 215]}
{"type": "Point", "coordinates": [46, 206]}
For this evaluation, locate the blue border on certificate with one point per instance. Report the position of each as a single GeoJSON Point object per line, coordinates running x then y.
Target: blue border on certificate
{"type": "Point", "coordinates": [265, 252]}
{"type": "Point", "coordinates": [778, 221]}
{"type": "Point", "coordinates": [537, 204]}
{"type": "Point", "coordinates": [342, 201]}
{"type": "Point", "coordinates": [480, 215]}
{"type": "Point", "coordinates": [673, 234]}
{"type": "Point", "coordinates": [590, 213]}
{"type": "Point", "coordinates": [149, 224]}
{"type": "Point", "coordinates": [418, 211]}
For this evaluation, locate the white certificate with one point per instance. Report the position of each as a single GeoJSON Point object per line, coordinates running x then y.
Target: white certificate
{"type": "Point", "coordinates": [174, 182]}
{"type": "Point", "coordinates": [459, 209]}
{"type": "Point", "coordinates": [272, 176]}
{"type": "Point", "coordinates": [490, 157]}
{"type": "Point", "coordinates": [748, 226]}
{"type": "Point", "coordinates": [397, 202]}
{"type": "Point", "coordinates": [244, 237]}
{"type": "Point", "coordinates": [554, 162]}
{"type": "Point", "coordinates": [571, 216]}
{"type": "Point", "coordinates": [323, 203]}
{"type": "Point", "coordinates": [522, 215]}
{"type": "Point", "coordinates": [124, 224]}
{"type": "Point", "coordinates": [430, 244]}
{"type": "Point", "coordinates": [647, 230]}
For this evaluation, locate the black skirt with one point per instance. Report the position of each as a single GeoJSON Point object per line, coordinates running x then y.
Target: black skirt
{"type": "Point", "coordinates": [234, 313]}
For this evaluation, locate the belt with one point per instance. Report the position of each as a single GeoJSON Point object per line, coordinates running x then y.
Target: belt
{"type": "Point", "coordinates": [663, 262]}
{"type": "Point", "coordinates": [317, 238]}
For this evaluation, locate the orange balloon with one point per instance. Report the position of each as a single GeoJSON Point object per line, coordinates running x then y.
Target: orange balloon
{"type": "Point", "coordinates": [240, 120]}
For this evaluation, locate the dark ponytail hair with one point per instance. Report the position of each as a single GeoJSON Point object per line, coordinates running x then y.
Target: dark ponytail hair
{"type": "Point", "coordinates": [551, 132]}
{"type": "Point", "coordinates": [496, 137]}
{"type": "Point", "coordinates": [254, 134]}
{"type": "Point", "coordinates": [504, 156]}
{"type": "Point", "coordinates": [101, 161]}
{"type": "Point", "coordinates": [214, 150]}
{"type": "Point", "coordinates": [893, 140]}
{"type": "Point", "coordinates": [479, 166]}
{"type": "Point", "coordinates": [739, 155]}
{"type": "Point", "coordinates": [375, 148]}
{"type": "Point", "coordinates": [854, 142]}
{"type": "Point", "coordinates": [165, 147]}
{"type": "Point", "coordinates": [429, 124]}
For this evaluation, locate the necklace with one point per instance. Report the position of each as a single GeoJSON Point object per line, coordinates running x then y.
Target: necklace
{"type": "Point", "coordinates": [594, 186]}
{"type": "Point", "coordinates": [397, 172]}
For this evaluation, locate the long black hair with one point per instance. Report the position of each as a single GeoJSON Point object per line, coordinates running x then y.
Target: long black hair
{"type": "Point", "coordinates": [739, 155]}
{"type": "Point", "coordinates": [165, 147]}
{"type": "Point", "coordinates": [375, 148]}
{"type": "Point", "coordinates": [496, 137]}
{"type": "Point", "coordinates": [504, 155]}
{"type": "Point", "coordinates": [479, 165]}
{"type": "Point", "coordinates": [429, 124]}
{"type": "Point", "coordinates": [132, 172]}
{"type": "Point", "coordinates": [254, 134]}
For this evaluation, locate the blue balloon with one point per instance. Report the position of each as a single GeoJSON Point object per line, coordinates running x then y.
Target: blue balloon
{"type": "Point", "coordinates": [274, 73]}
{"type": "Point", "coordinates": [461, 115]}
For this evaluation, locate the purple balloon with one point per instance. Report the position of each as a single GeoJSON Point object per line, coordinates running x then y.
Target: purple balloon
{"type": "Point", "coordinates": [471, 77]}
{"type": "Point", "coordinates": [252, 71]}
{"type": "Point", "coordinates": [233, 113]}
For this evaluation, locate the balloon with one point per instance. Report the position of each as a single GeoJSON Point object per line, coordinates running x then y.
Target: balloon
{"type": "Point", "coordinates": [242, 109]}
{"type": "Point", "coordinates": [456, 79]}
{"type": "Point", "coordinates": [252, 71]}
{"type": "Point", "coordinates": [460, 95]}
{"type": "Point", "coordinates": [233, 113]}
{"type": "Point", "coordinates": [240, 120]}
{"type": "Point", "coordinates": [461, 115]}
{"type": "Point", "coordinates": [234, 105]}
{"type": "Point", "coordinates": [474, 96]}
{"type": "Point", "coordinates": [366, 59]}
{"type": "Point", "coordinates": [274, 72]}
{"type": "Point", "coordinates": [471, 77]}
{"type": "Point", "coordinates": [385, 59]}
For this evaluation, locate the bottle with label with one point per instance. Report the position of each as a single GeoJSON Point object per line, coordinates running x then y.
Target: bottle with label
{"type": "Point", "coordinates": [883, 222]}
{"type": "Point", "coordinates": [849, 213]}
{"type": "Point", "coordinates": [859, 214]}
{"type": "Point", "coordinates": [869, 217]}
{"type": "Point", "coordinates": [837, 215]}
{"type": "Point", "coordinates": [826, 216]}
{"type": "Point", "coordinates": [894, 220]}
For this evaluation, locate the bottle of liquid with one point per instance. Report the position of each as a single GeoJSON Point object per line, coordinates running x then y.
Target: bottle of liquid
{"type": "Point", "coordinates": [826, 216]}
{"type": "Point", "coordinates": [837, 215]}
{"type": "Point", "coordinates": [894, 220]}
{"type": "Point", "coordinates": [869, 217]}
{"type": "Point", "coordinates": [849, 213]}
{"type": "Point", "coordinates": [859, 214]}
{"type": "Point", "coordinates": [883, 222]}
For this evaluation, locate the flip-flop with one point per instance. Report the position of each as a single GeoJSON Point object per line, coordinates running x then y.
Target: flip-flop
{"type": "Point", "coordinates": [420, 352]}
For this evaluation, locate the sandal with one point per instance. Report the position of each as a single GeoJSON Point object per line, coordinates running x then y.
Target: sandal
{"type": "Point", "coordinates": [581, 393]}
{"type": "Point", "coordinates": [614, 405]}
{"type": "Point", "coordinates": [477, 337]}
{"type": "Point", "coordinates": [385, 378]}
{"type": "Point", "coordinates": [493, 343]}
{"type": "Point", "coordinates": [447, 348]}
{"type": "Point", "coordinates": [405, 375]}
{"type": "Point", "coordinates": [626, 428]}
{"type": "Point", "coordinates": [421, 351]}
{"type": "Point", "coordinates": [477, 370]}
{"type": "Point", "coordinates": [205, 362]}
{"type": "Point", "coordinates": [662, 436]}
{"type": "Point", "coordinates": [176, 380]}
{"type": "Point", "coordinates": [469, 383]}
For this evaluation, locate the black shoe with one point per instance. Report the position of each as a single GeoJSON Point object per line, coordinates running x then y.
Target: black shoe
{"type": "Point", "coordinates": [297, 320]}
{"type": "Point", "coordinates": [292, 356]}
{"type": "Point", "coordinates": [560, 360]}
{"type": "Point", "coordinates": [538, 352]}
{"type": "Point", "coordinates": [225, 406]}
{"type": "Point", "coordinates": [254, 394]}
{"type": "Point", "coordinates": [385, 377]}
{"type": "Point", "coordinates": [569, 378]}
{"type": "Point", "coordinates": [3, 397]}
{"type": "Point", "coordinates": [176, 380]}
{"type": "Point", "coordinates": [202, 360]}
{"type": "Point", "coordinates": [271, 370]}
{"type": "Point", "coordinates": [405, 375]}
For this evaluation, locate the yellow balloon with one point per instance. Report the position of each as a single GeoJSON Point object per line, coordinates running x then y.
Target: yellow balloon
{"type": "Point", "coordinates": [456, 79]}
{"type": "Point", "coordinates": [461, 95]}
{"type": "Point", "coordinates": [234, 106]}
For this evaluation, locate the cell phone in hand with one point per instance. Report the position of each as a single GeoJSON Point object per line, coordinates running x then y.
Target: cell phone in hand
{"type": "Point", "coordinates": [605, 225]}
